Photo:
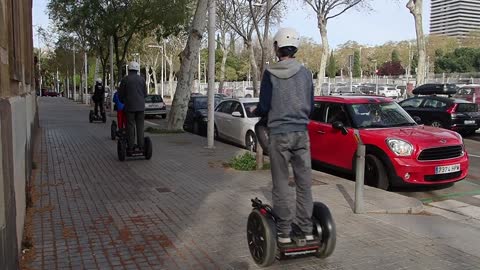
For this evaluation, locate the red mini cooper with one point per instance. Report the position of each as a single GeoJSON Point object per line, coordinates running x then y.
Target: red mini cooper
{"type": "Point", "coordinates": [398, 150]}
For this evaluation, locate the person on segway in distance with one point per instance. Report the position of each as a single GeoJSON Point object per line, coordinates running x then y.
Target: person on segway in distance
{"type": "Point", "coordinates": [121, 118]}
{"type": "Point", "coordinates": [132, 93]}
{"type": "Point", "coordinates": [286, 99]}
{"type": "Point", "coordinates": [98, 97]}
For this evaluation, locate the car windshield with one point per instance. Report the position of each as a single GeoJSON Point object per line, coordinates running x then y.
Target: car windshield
{"type": "Point", "coordinates": [380, 115]}
{"type": "Point", "coordinates": [153, 99]}
{"type": "Point", "coordinates": [202, 103]}
{"type": "Point", "coordinates": [465, 91]}
{"type": "Point", "coordinates": [250, 108]}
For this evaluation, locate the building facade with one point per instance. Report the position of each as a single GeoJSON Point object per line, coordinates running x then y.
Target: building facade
{"type": "Point", "coordinates": [457, 18]}
{"type": "Point", "coordinates": [18, 122]}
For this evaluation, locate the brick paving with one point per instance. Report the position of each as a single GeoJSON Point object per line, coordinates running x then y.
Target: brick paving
{"type": "Point", "coordinates": [181, 209]}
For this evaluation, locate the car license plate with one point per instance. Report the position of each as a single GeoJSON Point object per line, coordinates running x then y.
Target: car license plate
{"type": "Point", "coordinates": [447, 169]}
{"type": "Point", "coordinates": [469, 122]}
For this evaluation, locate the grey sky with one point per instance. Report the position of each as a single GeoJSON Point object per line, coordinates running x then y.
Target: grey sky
{"type": "Point", "coordinates": [389, 21]}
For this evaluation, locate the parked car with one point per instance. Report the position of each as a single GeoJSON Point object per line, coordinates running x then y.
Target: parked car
{"type": "Point", "coordinates": [154, 105]}
{"type": "Point", "coordinates": [388, 91]}
{"type": "Point", "coordinates": [235, 121]}
{"type": "Point", "coordinates": [435, 89]}
{"type": "Point", "coordinates": [443, 112]}
{"type": "Point", "coordinates": [221, 96]}
{"type": "Point", "coordinates": [248, 92]}
{"type": "Point", "coordinates": [398, 150]}
{"type": "Point", "coordinates": [197, 118]}
{"type": "Point", "coordinates": [50, 94]}
{"type": "Point", "coordinates": [470, 93]}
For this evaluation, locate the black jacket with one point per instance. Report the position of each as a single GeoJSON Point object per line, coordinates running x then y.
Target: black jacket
{"type": "Point", "coordinates": [99, 93]}
{"type": "Point", "coordinates": [132, 92]}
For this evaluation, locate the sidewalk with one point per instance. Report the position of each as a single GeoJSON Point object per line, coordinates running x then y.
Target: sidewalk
{"type": "Point", "coordinates": [184, 210]}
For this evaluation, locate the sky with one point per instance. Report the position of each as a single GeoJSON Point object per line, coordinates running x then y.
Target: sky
{"type": "Point", "coordinates": [389, 20]}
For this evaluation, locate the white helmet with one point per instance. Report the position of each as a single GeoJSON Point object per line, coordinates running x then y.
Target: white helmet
{"type": "Point", "coordinates": [287, 37]}
{"type": "Point", "coordinates": [99, 80]}
{"type": "Point", "coordinates": [134, 66]}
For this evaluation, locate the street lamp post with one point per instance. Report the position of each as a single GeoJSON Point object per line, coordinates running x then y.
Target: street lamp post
{"type": "Point", "coordinates": [74, 79]}
{"type": "Point", "coordinates": [376, 77]}
{"type": "Point", "coordinates": [211, 72]}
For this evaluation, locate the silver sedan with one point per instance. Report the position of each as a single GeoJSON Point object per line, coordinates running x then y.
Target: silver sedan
{"type": "Point", "coordinates": [235, 121]}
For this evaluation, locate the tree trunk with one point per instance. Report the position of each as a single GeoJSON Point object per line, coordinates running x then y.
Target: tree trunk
{"type": "Point", "coordinates": [177, 114]}
{"type": "Point", "coordinates": [155, 82]}
{"type": "Point", "coordinates": [415, 7]}
{"type": "Point", "coordinates": [266, 30]}
{"type": "Point", "coordinates": [322, 26]}
{"type": "Point", "coordinates": [222, 67]}
{"type": "Point", "coordinates": [169, 60]}
{"type": "Point", "coordinates": [253, 64]}
{"type": "Point", "coordinates": [119, 63]}
{"type": "Point", "coordinates": [148, 76]}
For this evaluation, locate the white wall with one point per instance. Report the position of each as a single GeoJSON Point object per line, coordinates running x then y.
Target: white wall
{"type": "Point", "coordinates": [23, 110]}
{"type": "Point", "coordinates": [19, 142]}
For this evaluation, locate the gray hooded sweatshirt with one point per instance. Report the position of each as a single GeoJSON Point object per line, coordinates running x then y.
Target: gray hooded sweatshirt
{"type": "Point", "coordinates": [286, 96]}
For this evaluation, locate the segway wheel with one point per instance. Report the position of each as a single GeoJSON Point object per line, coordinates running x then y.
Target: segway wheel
{"type": "Point", "coordinates": [325, 229]}
{"type": "Point", "coordinates": [90, 117]}
{"type": "Point", "coordinates": [104, 117]}
{"type": "Point", "coordinates": [148, 148]}
{"type": "Point", "coordinates": [261, 237]}
{"type": "Point", "coordinates": [121, 150]}
{"type": "Point", "coordinates": [113, 130]}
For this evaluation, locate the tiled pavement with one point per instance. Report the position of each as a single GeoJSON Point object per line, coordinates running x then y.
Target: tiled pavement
{"type": "Point", "coordinates": [182, 209]}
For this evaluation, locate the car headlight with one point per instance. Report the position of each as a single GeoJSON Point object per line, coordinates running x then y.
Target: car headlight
{"type": "Point", "coordinates": [400, 147]}
{"type": "Point", "coordinates": [205, 119]}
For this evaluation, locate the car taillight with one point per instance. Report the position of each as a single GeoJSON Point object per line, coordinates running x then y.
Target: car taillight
{"type": "Point", "coordinates": [452, 108]}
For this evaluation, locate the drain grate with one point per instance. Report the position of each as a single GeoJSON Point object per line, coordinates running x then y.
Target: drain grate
{"type": "Point", "coordinates": [163, 190]}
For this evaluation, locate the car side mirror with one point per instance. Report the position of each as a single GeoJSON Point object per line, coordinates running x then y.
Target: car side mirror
{"type": "Point", "coordinates": [417, 119]}
{"type": "Point", "coordinates": [339, 126]}
{"type": "Point", "coordinates": [236, 114]}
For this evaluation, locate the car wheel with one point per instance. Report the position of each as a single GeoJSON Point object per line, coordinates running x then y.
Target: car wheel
{"type": "Point", "coordinates": [196, 128]}
{"type": "Point", "coordinates": [375, 173]}
{"type": "Point", "coordinates": [436, 124]}
{"type": "Point", "coordinates": [215, 133]}
{"type": "Point", "coordinates": [251, 141]}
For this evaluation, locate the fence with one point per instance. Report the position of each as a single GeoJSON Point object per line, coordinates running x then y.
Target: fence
{"type": "Point", "coordinates": [235, 89]}
{"type": "Point", "coordinates": [243, 88]}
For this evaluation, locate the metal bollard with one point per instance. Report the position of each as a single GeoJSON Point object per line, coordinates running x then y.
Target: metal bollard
{"type": "Point", "coordinates": [359, 175]}
{"type": "Point", "coordinates": [359, 179]}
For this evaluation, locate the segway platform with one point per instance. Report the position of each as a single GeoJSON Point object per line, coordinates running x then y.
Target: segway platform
{"type": "Point", "coordinates": [97, 118]}
{"type": "Point", "coordinates": [262, 235]}
{"type": "Point", "coordinates": [123, 153]}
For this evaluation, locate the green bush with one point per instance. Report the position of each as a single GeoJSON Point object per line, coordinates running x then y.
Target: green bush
{"type": "Point", "coordinates": [246, 162]}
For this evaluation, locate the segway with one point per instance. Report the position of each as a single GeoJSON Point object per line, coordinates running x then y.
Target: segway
{"type": "Point", "coordinates": [137, 152]}
{"type": "Point", "coordinates": [113, 130]}
{"type": "Point", "coordinates": [97, 118]}
{"type": "Point", "coordinates": [262, 235]}
{"type": "Point", "coordinates": [262, 232]}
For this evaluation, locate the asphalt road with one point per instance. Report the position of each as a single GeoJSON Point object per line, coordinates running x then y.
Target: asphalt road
{"type": "Point", "coordinates": [463, 191]}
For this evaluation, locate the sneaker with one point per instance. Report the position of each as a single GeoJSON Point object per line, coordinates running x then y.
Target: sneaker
{"type": "Point", "coordinates": [284, 238]}
{"type": "Point", "coordinates": [309, 237]}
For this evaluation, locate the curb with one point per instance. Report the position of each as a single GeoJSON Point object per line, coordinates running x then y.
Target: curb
{"type": "Point", "coordinates": [376, 201]}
